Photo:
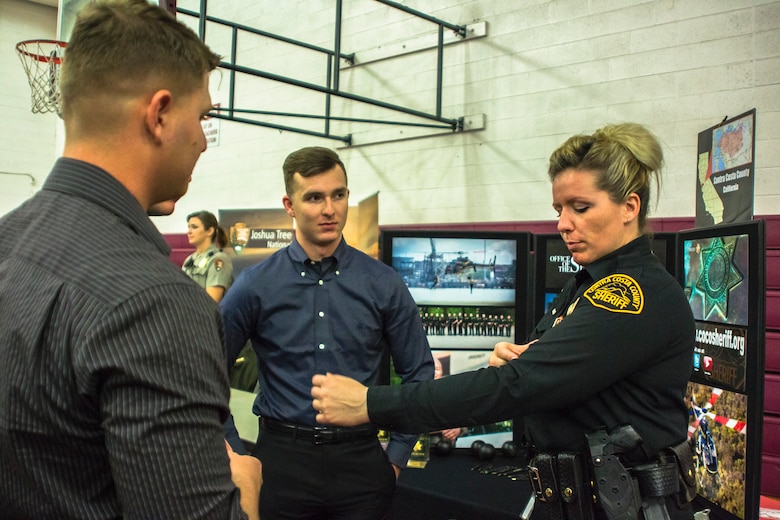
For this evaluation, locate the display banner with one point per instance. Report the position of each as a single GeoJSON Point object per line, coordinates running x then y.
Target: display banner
{"type": "Point", "coordinates": [719, 354]}
{"type": "Point", "coordinates": [257, 231]}
{"type": "Point", "coordinates": [255, 234]}
{"type": "Point", "coordinates": [725, 184]}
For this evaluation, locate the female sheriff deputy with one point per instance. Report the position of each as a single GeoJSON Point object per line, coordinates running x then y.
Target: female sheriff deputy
{"type": "Point", "coordinates": [211, 268]}
{"type": "Point", "coordinates": [602, 382]}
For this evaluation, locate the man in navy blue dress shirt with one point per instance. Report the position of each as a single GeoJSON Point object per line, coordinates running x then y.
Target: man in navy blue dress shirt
{"type": "Point", "coordinates": [319, 306]}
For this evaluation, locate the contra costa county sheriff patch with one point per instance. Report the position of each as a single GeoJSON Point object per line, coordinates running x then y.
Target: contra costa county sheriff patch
{"type": "Point", "coordinates": [617, 293]}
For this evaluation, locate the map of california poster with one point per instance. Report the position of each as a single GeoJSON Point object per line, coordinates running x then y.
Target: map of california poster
{"type": "Point", "coordinates": [725, 180]}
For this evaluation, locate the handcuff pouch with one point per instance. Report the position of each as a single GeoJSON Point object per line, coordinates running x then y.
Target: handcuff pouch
{"type": "Point", "coordinates": [575, 489]}
{"type": "Point", "coordinates": [561, 486]}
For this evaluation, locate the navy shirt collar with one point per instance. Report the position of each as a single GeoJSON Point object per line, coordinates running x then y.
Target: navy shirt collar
{"type": "Point", "coordinates": [299, 256]}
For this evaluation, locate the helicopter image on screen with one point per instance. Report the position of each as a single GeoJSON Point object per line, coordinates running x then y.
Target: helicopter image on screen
{"type": "Point", "coordinates": [706, 453]}
{"type": "Point", "coordinates": [438, 269]}
{"type": "Point", "coordinates": [701, 429]}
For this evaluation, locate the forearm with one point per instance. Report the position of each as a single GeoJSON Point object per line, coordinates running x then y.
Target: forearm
{"type": "Point", "coordinates": [460, 400]}
{"type": "Point", "coordinates": [246, 472]}
{"type": "Point", "coordinates": [250, 504]}
{"type": "Point", "coordinates": [216, 292]}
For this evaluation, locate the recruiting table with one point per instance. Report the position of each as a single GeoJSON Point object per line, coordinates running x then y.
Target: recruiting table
{"type": "Point", "coordinates": [452, 488]}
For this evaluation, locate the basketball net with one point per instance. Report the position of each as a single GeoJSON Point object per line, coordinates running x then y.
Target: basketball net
{"type": "Point", "coordinates": [41, 60]}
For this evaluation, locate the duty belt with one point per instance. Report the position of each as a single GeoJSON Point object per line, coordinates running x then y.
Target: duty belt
{"type": "Point", "coordinates": [624, 492]}
{"type": "Point", "coordinates": [318, 434]}
{"type": "Point", "coordinates": [567, 486]}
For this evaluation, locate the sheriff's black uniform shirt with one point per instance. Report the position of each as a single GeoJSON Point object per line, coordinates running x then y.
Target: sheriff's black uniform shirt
{"type": "Point", "coordinates": [615, 349]}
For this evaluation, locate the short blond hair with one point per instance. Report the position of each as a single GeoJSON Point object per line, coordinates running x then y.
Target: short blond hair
{"type": "Point", "coordinates": [624, 157]}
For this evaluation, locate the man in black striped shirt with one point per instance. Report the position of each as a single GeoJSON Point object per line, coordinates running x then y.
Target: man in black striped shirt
{"type": "Point", "coordinates": [113, 384]}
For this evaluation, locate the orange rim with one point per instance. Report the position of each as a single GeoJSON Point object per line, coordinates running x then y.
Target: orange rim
{"type": "Point", "coordinates": [20, 48]}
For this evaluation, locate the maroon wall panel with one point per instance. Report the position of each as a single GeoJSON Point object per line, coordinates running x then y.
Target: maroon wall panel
{"type": "Point", "coordinates": [770, 476]}
{"type": "Point", "coordinates": [772, 348]}
{"type": "Point", "coordinates": [772, 223]}
{"type": "Point", "coordinates": [773, 309]}
{"type": "Point", "coordinates": [177, 240]}
{"type": "Point", "coordinates": [773, 268]}
{"type": "Point", "coordinates": [771, 435]}
{"type": "Point", "coordinates": [772, 393]}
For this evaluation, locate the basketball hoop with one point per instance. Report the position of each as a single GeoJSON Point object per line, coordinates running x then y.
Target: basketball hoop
{"type": "Point", "coordinates": [41, 60]}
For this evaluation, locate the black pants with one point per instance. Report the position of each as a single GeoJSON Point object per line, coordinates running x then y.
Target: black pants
{"type": "Point", "coordinates": [347, 480]}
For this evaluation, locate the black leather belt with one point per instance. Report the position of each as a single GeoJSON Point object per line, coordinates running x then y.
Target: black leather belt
{"type": "Point", "coordinates": [318, 434]}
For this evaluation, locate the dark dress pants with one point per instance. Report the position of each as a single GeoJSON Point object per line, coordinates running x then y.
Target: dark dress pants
{"type": "Point", "coordinates": [346, 480]}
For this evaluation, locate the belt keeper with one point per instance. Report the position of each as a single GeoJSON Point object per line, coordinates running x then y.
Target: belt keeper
{"type": "Point", "coordinates": [541, 473]}
{"type": "Point", "coordinates": [542, 492]}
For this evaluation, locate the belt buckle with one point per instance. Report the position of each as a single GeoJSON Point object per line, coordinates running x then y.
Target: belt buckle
{"type": "Point", "coordinates": [536, 483]}
{"type": "Point", "coordinates": [323, 435]}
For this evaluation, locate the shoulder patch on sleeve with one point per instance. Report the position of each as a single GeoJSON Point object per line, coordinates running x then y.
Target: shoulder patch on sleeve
{"type": "Point", "coordinates": [617, 293]}
{"type": "Point", "coordinates": [218, 264]}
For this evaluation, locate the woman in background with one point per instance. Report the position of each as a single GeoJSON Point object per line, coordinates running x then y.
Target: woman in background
{"type": "Point", "coordinates": [212, 269]}
{"type": "Point", "coordinates": [209, 266]}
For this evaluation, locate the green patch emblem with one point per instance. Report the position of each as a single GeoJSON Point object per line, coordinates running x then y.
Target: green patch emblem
{"type": "Point", "coordinates": [617, 293]}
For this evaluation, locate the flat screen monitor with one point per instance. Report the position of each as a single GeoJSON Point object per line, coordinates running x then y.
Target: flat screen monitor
{"type": "Point", "coordinates": [458, 361]}
{"type": "Point", "coordinates": [472, 290]}
{"type": "Point", "coordinates": [554, 265]}
{"type": "Point", "coordinates": [722, 269]}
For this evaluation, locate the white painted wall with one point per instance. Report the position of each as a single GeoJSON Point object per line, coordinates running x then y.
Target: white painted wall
{"type": "Point", "coordinates": [546, 70]}
{"type": "Point", "coordinates": [27, 140]}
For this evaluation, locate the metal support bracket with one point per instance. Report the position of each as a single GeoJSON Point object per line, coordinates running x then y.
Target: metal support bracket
{"type": "Point", "coordinates": [412, 45]}
{"type": "Point", "coordinates": [384, 134]}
